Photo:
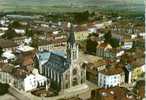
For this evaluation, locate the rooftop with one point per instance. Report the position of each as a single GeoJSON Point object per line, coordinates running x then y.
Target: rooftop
{"type": "Point", "coordinates": [25, 48]}
{"type": "Point", "coordinates": [112, 70]}
{"type": "Point", "coordinates": [139, 88]}
{"type": "Point", "coordinates": [6, 67]}
{"type": "Point", "coordinates": [57, 63]}
{"type": "Point", "coordinates": [25, 59]}
{"type": "Point", "coordinates": [45, 55]}
{"type": "Point", "coordinates": [7, 43]}
{"type": "Point", "coordinates": [93, 66]}
{"type": "Point", "coordinates": [21, 72]}
{"type": "Point", "coordinates": [104, 45]}
{"type": "Point", "coordinates": [136, 58]}
{"type": "Point", "coordinates": [114, 93]}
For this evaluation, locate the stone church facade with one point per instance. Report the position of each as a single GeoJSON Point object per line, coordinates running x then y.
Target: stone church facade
{"type": "Point", "coordinates": [65, 71]}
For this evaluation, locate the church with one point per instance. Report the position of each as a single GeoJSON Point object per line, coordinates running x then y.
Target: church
{"type": "Point", "coordinates": [64, 70]}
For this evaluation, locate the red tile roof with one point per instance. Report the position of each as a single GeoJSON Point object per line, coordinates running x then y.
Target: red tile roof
{"type": "Point", "coordinates": [115, 93]}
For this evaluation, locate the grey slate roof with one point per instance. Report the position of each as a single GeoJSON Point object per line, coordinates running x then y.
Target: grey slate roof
{"type": "Point", "coordinates": [57, 63]}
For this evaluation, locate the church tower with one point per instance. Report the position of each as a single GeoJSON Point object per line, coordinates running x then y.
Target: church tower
{"type": "Point", "coordinates": [72, 47]}
{"type": "Point", "coordinates": [72, 56]}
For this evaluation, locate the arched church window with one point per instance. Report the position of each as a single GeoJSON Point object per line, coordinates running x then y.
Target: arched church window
{"type": "Point", "coordinates": [75, 81]}
{"type": "Point", "coordinates": [66, 77]}
{"type": "Point", "coordinates": [74, 54]}
{"type": "Point", "coordinates": [74, 71]}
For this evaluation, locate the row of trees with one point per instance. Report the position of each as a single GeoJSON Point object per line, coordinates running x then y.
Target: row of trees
{"type": "Point", "coordinates": [109, 39]}
{"type": "Point", "coordinates": [10, 33]}
{"type": "Point", "coordinates": [92, 44]}
{"type": "Point", "coordinates": [3, 88]}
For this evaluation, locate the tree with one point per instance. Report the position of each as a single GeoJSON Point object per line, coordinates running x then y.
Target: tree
{"type": "Point", "coordinates": [55, 86]}
{"type": "Point", "coordinates": [10, 33]}
{"type": "Point", "coordinates": [3, 88]}
{"type": "Point", "coordinates": [114, 42]}
{"type": "Point", "coordinates": [91, 46]}
{"type": "Point", "coordinates": [108, 36]}
{"type": "Point", "coordinates": [16, 24]}
{"type": "Point", "coordinates": [34, 43]}
{"type": "Point", "coordinates": [29, 32]}
{"type": "Point", "coordinates": [81, 17]}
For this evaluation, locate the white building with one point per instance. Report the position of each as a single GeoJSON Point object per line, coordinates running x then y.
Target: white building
{"type": "Point", "coordinates": [21, 80]}
{"type": "Point", "coordinates": [92, 30]}
{"type": "Point", "coordinates": [24, 48]}
{"type": "Point", "coordinates": [7, 45]}
{"type": "Point", "coordinates": [32, 81]}
{"type": "Point", "coordinates": [4, 28]}
{"type": "Point", "coordinates": [81, 35]}
{"type": "Point", "coordinates": [111, 77]}
{"type": "Point", "coordinates": [20, 31]}
{"type": "Point", "coordinates": [127, 45]}
{"type": "Point", "coordinates": [9, 55]}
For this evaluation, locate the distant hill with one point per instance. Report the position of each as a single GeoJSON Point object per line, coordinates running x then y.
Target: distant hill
{"type": "Point", "coordinates": [54, 5]}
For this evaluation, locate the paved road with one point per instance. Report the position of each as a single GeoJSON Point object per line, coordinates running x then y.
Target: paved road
{"type": "Point", "coordinates": [7, 97]}
{"type": "Point", "coordinates": [86, 57]}
{"type": "Point", "coordinates": [87, 94]}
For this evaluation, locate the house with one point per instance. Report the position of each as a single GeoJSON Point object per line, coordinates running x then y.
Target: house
{"type": "Point", "coordinates": [128, 43]}
{"type": "Point", "coordinates": [81, 35]}
{"type": "Point", "coordinates": [9, 55]}
{"type": "Point", "coordinates": [92, 30]}
{"type": "Point", "coordinates": [112, 76]}
{"type": "Point", "coordinates": [25, 59]}
{"type": "Point", "coordinates": [134, 67]}
{"type": "Point", "coordinates": [102, 48]}
{"type": "Point", "coordinates": [3, 29]}
{"type": "Point", "coordinates": [63, 71]}
{"type": "Point", "coordinates": [119, 37]}
{"type": "Point", "coordinates": [139, 89]}
{"type": "Point", "coordinates": [19, 40]}
{"type": "Point", "coordinates": [34, 80]}
{"type": "Point", "coordinates": [7, 45]}
{"type": "Point", "coordinates": [26, 80]}
{"type": "Point", "coordinates": [106, 51]}
{"type": "Point", "coordinates": [113, 93]}
{"type": "Point", "coordinates": [43, 45]}
{"type": "Point", "coordinates": [22, 78]}
{"type": "Point", "coordinates": [53, 42]}
{"type": "Point", "coordinates": [24, 49]}
{"type": "Point", "coordinates": [92, 69]}
{"type": "Point", "coordinates": [20, 31]}
{"type": "Point", "coordinates": [5, 76]}
{"type": "Point", "coordinates": [4, 21]}
{"type": "Point", "coordinates": [139, 43]}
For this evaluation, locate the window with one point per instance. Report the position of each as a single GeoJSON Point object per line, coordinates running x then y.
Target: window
{"type": "Point", "coordinates": [75, 81]}
{"type": "Point", "coordinates": [115, 77]}
{"type": "Point", "coordinates": [67, 85]}
{"type": "Point", "coordinates": [74, 55]}
{"type": "Point", "coordinates": [74, 71]}
{"type": "Point", "coordinates": [66, 77]}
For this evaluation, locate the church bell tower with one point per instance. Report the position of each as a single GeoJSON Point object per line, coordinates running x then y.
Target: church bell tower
{"type": "Point", "coordinates": [72, 47]}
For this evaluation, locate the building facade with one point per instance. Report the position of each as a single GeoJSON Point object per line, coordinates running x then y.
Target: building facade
{"type": "Point", "coordinates": [111, 77]}
{"type": "Point", "coordinates": [65, 71]}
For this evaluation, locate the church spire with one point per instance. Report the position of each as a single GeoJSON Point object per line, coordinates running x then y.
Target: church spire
{"type": "Point", "coordinates": [72, 47]}
{"type": "Point", "coordinates": [71, 36]}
